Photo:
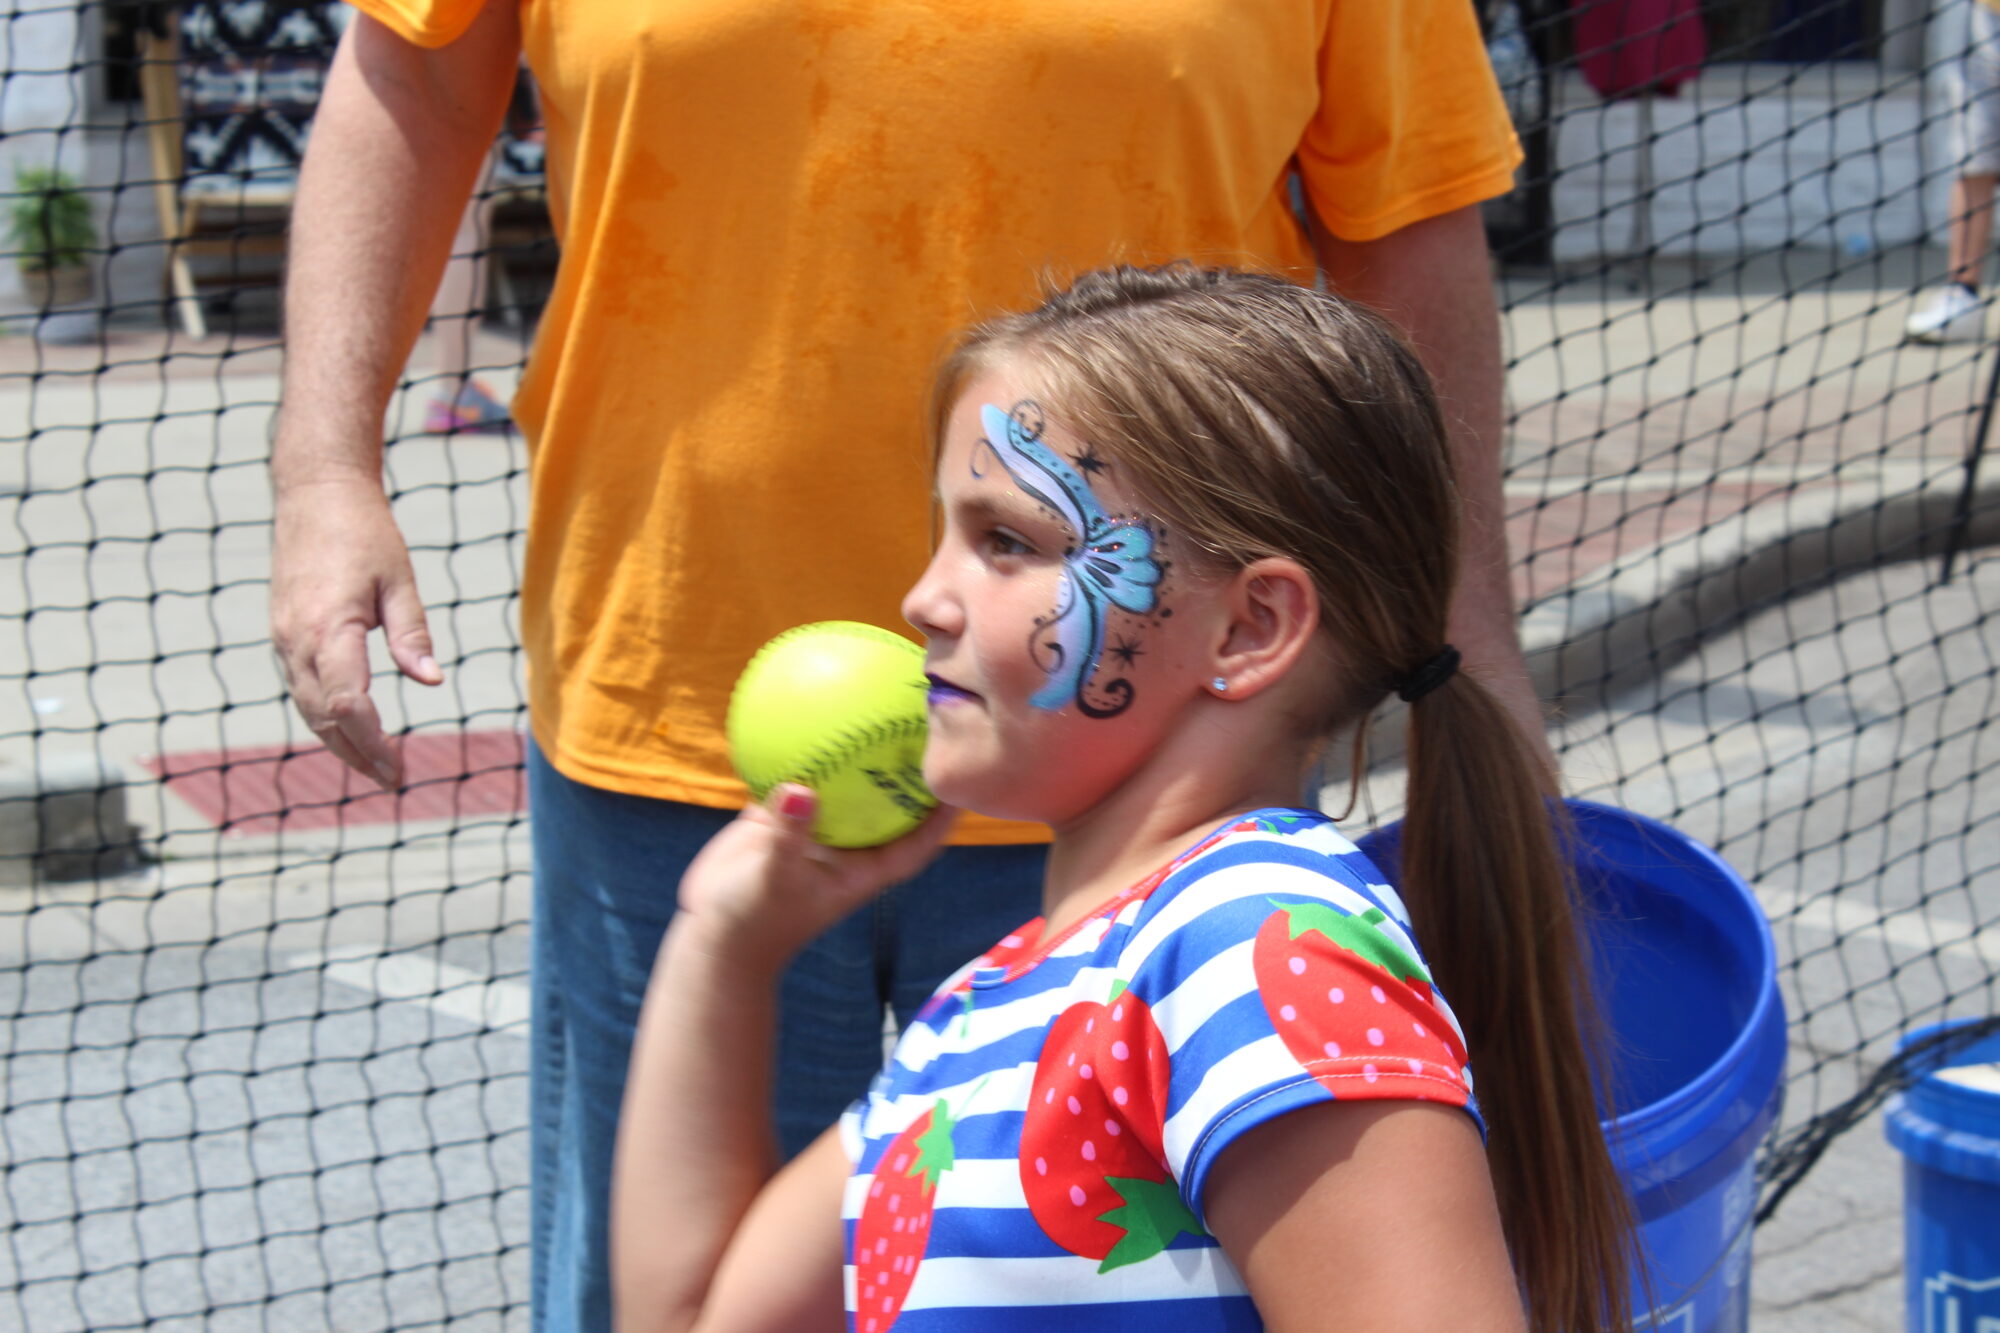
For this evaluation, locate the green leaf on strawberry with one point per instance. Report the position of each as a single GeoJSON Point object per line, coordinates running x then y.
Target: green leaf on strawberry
{"type": "Point", "coordinates": [1361, 935]}
{"type": "Point", "coordinates": [1152, 1215]}
{"type": "Point", "coordinates": [935, 1152]}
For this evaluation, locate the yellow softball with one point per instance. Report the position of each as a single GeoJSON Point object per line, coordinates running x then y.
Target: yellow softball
{"type": "Point", "coordinates": [837, 706]}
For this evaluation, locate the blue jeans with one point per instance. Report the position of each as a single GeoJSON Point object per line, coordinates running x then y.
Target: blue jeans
{"type": "Point", "coordinates": [606, 867]}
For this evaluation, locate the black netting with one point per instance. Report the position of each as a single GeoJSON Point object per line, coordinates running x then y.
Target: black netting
{"type": "Point", "coordinates": [262, 1027]}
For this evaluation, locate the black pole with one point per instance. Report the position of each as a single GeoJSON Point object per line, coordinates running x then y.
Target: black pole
{"type": "Point", "coordinates": [1961, 520]}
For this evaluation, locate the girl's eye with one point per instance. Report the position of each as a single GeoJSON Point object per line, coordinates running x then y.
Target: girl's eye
{"type": "Point", "coordinates": [1000, 542]}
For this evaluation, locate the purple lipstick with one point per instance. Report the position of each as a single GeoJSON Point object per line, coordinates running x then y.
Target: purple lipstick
{"type": "Point", "coordinates": [943, 692]}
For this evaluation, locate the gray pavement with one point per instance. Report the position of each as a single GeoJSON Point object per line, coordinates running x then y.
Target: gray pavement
{"type": "Point", "coordinates": [277, 1081]}
{"type": "Point", "coordinates": [269, 1082]}
{"type": "Point", "coordinates": [1786, 743]}
{"type": "Point", "coordinates": [271, 1091]}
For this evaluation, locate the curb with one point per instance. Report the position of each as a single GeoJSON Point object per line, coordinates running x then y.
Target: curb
{"type": "Point", "coordinates": [1648, 610]}
{"type": "Point", "coordinates": [64, 818]}
{"type": "Point", "coordinates": [1640, 614]}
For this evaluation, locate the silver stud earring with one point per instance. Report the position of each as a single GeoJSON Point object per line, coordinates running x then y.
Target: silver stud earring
{"type": "Point", "coordinates": [1221, 685]}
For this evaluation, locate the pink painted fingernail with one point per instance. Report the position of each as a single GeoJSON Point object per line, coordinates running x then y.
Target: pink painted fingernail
{"type": "Point", "coordinates": [796, 803]}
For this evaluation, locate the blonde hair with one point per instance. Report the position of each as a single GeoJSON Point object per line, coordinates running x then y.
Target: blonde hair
{"type": "Point", "coordinates": [1261, 418]}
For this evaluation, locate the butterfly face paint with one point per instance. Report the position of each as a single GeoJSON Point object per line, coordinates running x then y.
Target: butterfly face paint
{"type": "Point", "coordinates": [1110, 564]}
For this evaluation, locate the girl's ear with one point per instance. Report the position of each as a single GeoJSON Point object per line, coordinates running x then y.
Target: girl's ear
{"type": "Point", "coordinates": [1272, 613]}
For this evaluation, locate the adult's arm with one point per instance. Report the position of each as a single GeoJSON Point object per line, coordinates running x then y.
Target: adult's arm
{"type": "Point", "coordinates": [1433, 278]}
{"type": "Point", "coordinates": [399, 136]}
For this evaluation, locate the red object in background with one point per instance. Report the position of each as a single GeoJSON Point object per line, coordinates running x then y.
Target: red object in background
{"type": "Point", "coordinates": [1631, 48]}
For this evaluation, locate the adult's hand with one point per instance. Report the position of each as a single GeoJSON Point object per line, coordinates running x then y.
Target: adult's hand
{"type": "Point", "coordinates": [402, 129]}
{"type": "Point", "coordinates": [339, 569]}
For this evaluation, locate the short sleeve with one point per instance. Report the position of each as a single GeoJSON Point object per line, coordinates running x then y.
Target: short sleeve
{"type": "Point", "coordinates": [851, 1141]}
{"type": "Point", "coordinates": [1280, 979]}
{"type": "Point", "coordinates": [426, 23]}
{"type": "Point", "coordinates": [1411, 122]}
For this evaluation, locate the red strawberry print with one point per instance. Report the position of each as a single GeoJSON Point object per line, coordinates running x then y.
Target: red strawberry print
{"type": "Point", "coordinates": [1354, 1007]}
{"type": "Point", "coordinates": [1091, 1163]}
{"type": "Point", "coordinates": [895, 1222]}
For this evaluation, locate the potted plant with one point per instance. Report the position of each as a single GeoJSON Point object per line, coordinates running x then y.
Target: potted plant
{"type": "Point", "coordinates": [50, 232]}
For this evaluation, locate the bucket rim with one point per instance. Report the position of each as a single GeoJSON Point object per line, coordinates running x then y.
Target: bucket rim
{"type": "Point", "coordinates": [1940, 1126]}
{"type": "Point", "coordinates": [1626, 1133]}
{"type": "Point", "coordinates": [1945, 1098]}
{"type": "Point", "coordinates": [1740, 1052]}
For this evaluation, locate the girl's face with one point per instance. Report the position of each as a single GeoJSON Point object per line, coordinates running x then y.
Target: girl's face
{"type": "Point", "coordinates": [1063, 646]}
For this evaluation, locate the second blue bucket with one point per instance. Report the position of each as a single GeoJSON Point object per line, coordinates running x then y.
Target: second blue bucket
{"type": "Point", "coordinates": [1687, 980]}
{"type": "Point", "coordinates": [1947, 1126]}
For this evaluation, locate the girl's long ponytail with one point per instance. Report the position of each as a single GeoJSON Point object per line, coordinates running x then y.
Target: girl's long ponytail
{"type": "Point", "coordinates": [1491, 897]}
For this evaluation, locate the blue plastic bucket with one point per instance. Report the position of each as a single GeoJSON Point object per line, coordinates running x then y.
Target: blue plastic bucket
{"type": "Point", "coordinates": [1687, 978]}
{"type": "Point", "coordinates": [1947, 1126]}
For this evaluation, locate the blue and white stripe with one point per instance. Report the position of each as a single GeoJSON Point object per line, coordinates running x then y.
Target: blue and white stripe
{"type": "Point", "coordinates": [1186, 950]}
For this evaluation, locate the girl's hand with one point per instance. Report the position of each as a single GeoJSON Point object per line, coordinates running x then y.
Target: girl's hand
{"type": "Point", "coordinates": [762, 887]}
{"type": "Point", "coordinates": [694, 1139]}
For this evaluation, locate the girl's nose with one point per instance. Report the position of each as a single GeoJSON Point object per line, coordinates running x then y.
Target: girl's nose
{"type": "Point", "coordinates": [929, 606]}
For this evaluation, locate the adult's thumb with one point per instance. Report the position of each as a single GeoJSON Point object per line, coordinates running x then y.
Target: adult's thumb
{"type": "Point", "coordinates": [408, 633]}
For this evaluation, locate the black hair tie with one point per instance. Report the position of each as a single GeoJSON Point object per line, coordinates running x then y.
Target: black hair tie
{"type": "Point", "coordinates": [1429, 676]}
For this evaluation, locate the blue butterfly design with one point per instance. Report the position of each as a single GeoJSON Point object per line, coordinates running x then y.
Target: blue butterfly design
{"type": "Point", "coordinates": [1111, 565]}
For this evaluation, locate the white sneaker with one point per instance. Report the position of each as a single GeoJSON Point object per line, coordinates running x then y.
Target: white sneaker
{"type": "Point", "coordinates": [1952, 314]}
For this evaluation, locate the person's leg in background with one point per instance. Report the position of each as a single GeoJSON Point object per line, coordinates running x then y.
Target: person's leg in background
{"type": "Point", "coordinates": [829, 1028]}
{"type": "Point", "coordinates": [1971, 228]}
{"type": "Point", "coordinates": [458, 400]}
{"type": "Point", "coordinates": [1956, 312]}
{"type": "Point", "coordinates": [606, 869]}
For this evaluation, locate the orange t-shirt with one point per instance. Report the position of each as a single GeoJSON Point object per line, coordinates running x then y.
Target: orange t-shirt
{"type": "Point", "coordinates": [774, 214]}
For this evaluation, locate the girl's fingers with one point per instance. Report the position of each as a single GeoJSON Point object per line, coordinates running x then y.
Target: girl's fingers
{"type": "Point", "coordinates": [787, 810]}
{"type": "Point", "coordinates": [792, 808]}
{"type": "Point", "coordinates": [897, 861]}
{"type": "Point", "coordinates": [849, 876]}
{"type": "Point", "coordinates": [794, 804]}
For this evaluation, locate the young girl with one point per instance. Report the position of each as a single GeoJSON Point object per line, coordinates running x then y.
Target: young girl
{"type": "Point", "coordinates": [1194, 522]}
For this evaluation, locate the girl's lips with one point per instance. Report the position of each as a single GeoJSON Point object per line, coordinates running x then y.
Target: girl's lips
{"type": "Point", "coordinates": [943, 692]}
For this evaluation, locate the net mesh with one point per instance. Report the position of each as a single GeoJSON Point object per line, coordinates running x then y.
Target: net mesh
{"type": "Point", "coordinates": [262, 1027]}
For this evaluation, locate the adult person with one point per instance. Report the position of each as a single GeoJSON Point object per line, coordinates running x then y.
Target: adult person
{"type": "Point", "coordinates": [1954, 311]}
{"type": "Point", "coordinates": [772, 213]}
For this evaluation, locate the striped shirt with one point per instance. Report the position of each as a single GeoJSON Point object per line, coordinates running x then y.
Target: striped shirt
{"type": "Point", "coordinates": [1036, 1152]}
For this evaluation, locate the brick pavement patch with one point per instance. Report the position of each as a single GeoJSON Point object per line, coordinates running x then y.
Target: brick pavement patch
{"type": "Point", "coordinates": [1559, 540]}
{"type": "Point", "coordinates": [264, 790]}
